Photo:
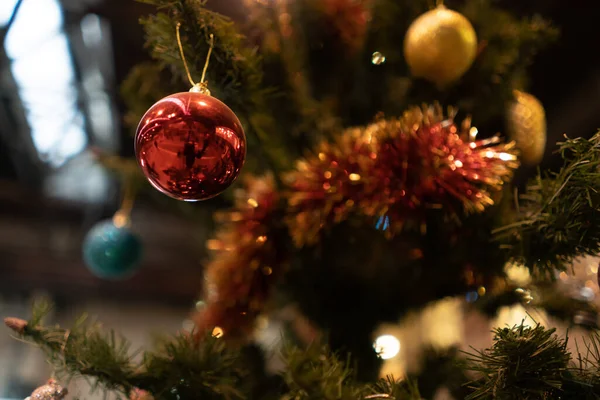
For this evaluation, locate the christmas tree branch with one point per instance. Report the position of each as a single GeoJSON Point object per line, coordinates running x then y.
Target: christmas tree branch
{"type": "Point", "coordinates": [310, 380]}
{"type": "Point", "coordinates": [183, 368]}
{"type": "Point", "coordinates": [317, 373]}
{"type": "Point", "coordinates": [179, 367]}
{"type": "Point", "coordinates": [524, 362]}
{"type": "Point", "coordinates": [533, 363]}
{"type": "Point", "coordinates": [559, 215]}
{"type": "Point", "coordinates": [237, 68]}
{"type": "Point", "coordinates": [80, 351]}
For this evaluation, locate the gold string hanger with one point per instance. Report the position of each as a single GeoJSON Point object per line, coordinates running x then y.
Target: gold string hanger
{"type": "Point", "coordinates": [122, 216]}
{"type": "Point", "coordinates": [202, 86]}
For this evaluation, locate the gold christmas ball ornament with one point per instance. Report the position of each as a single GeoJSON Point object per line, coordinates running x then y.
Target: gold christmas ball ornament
{"type": "Point", "coordinates": [526, 125]}
{"type": "Point", "coordinates": [440, 46]}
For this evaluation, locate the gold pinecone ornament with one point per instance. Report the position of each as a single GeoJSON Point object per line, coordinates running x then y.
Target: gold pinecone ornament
{"type": "Point", "coordinates": [440, 46]}
{"type": "Point", "coordinates": [526, 125]}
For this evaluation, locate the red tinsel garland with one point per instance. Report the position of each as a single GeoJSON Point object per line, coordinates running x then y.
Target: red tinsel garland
{"type": "Point", "coordinates": [246, 262]}
{"type": "Point", "coordinates": [394, 170]}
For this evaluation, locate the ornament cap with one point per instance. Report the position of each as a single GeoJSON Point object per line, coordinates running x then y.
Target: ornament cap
{"type": "Point", "coordinates": [121, 219]}
{"type": "Point", "coordinates": [201, 88]}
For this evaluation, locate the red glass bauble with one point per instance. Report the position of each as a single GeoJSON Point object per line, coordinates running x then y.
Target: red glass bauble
{"type": "Point", "coordinates": [191, 146]}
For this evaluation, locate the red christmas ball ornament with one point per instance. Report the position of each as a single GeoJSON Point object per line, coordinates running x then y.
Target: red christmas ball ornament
{"type": "Point", "coordinates": [190, 146]}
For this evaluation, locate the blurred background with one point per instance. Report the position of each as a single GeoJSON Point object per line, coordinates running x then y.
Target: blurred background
{"type": "Point", "coordinates": [61, 64]}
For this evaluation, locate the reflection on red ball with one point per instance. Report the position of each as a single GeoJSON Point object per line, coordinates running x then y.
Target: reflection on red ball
{"type": "Point", "coordinates": [191, 146]}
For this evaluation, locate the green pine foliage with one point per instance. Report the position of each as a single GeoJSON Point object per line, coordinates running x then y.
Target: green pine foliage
{"type": "Point", "coordinates": [523, 363]}
{"type": "Point", "coordinates": [558, 215]}
{"type": "Point", "coordinates": [526, 363]}
{"type": "Point", "coordinates": [183, 368]}
{"type": "Point", "coordinates": [83, 350]}
{"type": "Point", "coordinates": [291, 91]}
{"type": "Point", "coordinates": [179, 368]}
{"type": "Point", "coordinates": [533, 363]}
{"type": "Point", "coordinates": [311, 377]}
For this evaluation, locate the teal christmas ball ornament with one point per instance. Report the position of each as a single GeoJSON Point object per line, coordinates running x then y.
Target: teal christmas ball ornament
{"type": "Point", "coordinates": [111, 251]}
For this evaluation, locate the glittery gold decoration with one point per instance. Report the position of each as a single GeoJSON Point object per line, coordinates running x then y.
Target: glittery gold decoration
{"type": "Point", "coordinates": [526, 125]}
{"type": "Point", "coordinates": [50, 391]}
{"type": "Point", "coordinates": [440, 46]}
{"type": "Point", "coordinates": [395, 170]}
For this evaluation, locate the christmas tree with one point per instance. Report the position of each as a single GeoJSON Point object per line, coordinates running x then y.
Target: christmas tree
{"type": "Point", "coordinates": [376, 143]}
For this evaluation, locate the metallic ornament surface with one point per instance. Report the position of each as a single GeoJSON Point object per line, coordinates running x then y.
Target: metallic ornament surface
{"type": "Point", "coordinates": [190, 146]}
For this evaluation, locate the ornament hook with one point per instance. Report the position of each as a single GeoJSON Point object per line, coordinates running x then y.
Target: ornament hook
{"type": "Point", "coordinates": [202, 86]}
